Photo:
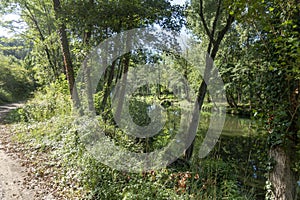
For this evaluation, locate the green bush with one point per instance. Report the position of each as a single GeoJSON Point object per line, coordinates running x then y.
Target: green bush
{"type": "Point", "coordinates": [14, 82]}
{"type": "Point", "coordinates": [50, 101]}
{"type": "Point", "coordinates": [5, 96]}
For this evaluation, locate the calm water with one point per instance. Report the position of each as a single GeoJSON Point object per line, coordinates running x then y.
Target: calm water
{"type": "Point", "coordinates": [233, 126]}
{"type": "Point", "coordinates": [238, 126]}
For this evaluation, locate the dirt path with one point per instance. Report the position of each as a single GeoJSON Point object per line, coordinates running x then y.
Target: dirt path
{"type": "Point", "coordinates": [4, 110]}
{"type": "Point", "coordinates": [12, 174]}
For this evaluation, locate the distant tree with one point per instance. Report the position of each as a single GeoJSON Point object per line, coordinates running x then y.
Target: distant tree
{"type": "Point", "coordinates": [14, 47]}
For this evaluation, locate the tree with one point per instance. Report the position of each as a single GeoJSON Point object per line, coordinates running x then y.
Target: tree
{"type": "Point", "coordinates": [40, 36]}
{"type": "Point", "coordinates": [279, 40]}
{"type": "Point", "coordinates": [214, 28]}
{"type": "Point", "coordinates": [116, 16]}
{"type": "Point", "coordinates": [272, 58]}
{"type": "Point", "coordinates": [66, 53]}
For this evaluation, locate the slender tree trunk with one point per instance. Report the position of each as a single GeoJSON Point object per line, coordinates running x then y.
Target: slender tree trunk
{"type": "Point", "coordinates": [120, 72]}
{"type": "Point", "coordinates": [200, 100]}
{"type": "Point", "coordinates": [122, 89]}
{"type": "Point", "coordinates": [66, 55]}
{"type": "Point", "coordinates": [42, 38]}
{"type": "Point", "coordinates": [87, 69]}
{"type": "Point", "coordinates": [283, 179]}
{"type": "Point", "coordinates": [230, 100]}
{"type": "Point", "coordinates": [89, 92]}
{"type": "Point", "coordinates": [212, 50]}
{"type": "Point", "coordinates": [108, 86]}
{"type": "Point", "coordinates": [121, 94]}
{"type": "Point", "coordinates": [118, 76]}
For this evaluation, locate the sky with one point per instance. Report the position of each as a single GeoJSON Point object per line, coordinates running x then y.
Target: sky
{"type": "Point", "coordinates": [180, 2]}
{"type": "Point", "coordinates": [10, 17]}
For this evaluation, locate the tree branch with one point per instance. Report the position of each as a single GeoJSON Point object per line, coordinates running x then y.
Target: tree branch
{"type": "Point", "coordinates": [214, 27]}
{"type": "Point", "coordinates": [221, 35]}
{"type": "Point", "coordinates": [34, 21]}
{"type": "Point", "coordinates": [32, 17]}
{"type": "Point", "coordinates": [204, 22]}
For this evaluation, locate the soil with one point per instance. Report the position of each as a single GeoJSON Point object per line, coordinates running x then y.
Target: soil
{"type": "Point", "coordinates": [15, 179]}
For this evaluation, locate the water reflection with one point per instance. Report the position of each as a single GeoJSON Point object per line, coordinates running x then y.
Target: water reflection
{"type": "Point", "coordinates": [238, 126]}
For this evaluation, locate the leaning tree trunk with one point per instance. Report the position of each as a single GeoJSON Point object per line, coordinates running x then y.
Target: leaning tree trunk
{"type": "Point", "coordinates": [282, 177]}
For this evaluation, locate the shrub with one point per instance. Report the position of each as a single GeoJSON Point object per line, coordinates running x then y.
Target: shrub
{"type": "Point", "coordinates": [14, 82]}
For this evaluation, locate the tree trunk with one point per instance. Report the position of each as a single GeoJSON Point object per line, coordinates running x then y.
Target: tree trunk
{"type": "Point", "coordinates": [122, 89]}
{"type": "Point", "coordinates": [282, 177]}
{"type": "Point", "coordinates": [230, 100]}
{"type": "Point", "coordinates": [108, 86]}
{"type": "Point", "coordinates": [195, 119]}
{"type": "Point", "coordinates": [42, 38]}
{"type": "Point", "coordinates": [66, 55]}
{"type": "Point", "coordinates": [87, 69]}
{"type": "Point", "coordinates": [121, 93]}
{"type": "Point", "coordinates": [215, 39]}
{"type": "Point", "coordinates": [87, 80]}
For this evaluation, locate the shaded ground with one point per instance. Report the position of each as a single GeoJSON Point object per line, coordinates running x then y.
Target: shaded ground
{"type": "Point", "coordinates": [15, 180]}
{"type": "Point", "coordinates": [5, 109]}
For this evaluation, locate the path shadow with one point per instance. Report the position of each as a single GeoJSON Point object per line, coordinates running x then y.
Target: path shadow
{"type": "Point", "coordinates": [6, 109]}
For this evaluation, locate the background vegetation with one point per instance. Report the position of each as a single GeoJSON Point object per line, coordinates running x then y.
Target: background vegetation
{"type": "Point", "coordinates": [15, 80]}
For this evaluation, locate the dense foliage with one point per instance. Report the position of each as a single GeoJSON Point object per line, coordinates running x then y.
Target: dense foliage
{"type": "Point", "coordinates": [254, 45]}
{"type": "Point", "coordinates": [15, 81]}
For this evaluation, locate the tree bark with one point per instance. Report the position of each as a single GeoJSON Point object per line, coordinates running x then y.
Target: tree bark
{"type": "Point", "coordinates": [66, 55]}
{"type": "Point", "coordinates": [282, 177]}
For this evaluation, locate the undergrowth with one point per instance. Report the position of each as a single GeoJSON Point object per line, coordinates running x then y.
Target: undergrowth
{"type": "Point", "coordinates": [46, 123]}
